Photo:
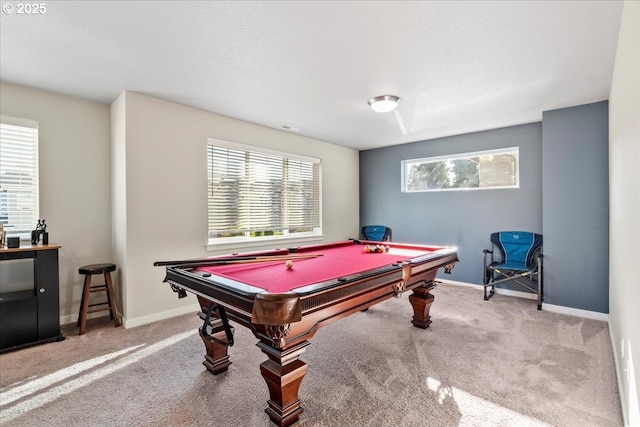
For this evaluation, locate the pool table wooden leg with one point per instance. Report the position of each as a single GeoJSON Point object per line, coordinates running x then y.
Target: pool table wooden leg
{"type": "Point", "coordinates": [216, 360]}
{"type": "Point", "coordinates": [283, 373]}
{"type": "Point", "coordinates": [421, 301]}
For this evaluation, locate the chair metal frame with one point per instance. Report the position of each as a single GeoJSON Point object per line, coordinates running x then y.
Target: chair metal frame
{"type": "Point", "coordinates": [496, 272]}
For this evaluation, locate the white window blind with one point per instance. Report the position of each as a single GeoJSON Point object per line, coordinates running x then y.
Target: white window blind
{"type": "Point", "coordinates": [19, 201]}
{"type": "Point", "coordinates": [259, 194]}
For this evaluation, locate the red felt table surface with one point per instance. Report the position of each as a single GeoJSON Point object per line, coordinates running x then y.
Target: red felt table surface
{"type": "Point", "coordinates": [332, 262]}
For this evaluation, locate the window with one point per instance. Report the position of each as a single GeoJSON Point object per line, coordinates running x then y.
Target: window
{"type": "Point", "coordinates": [19, 202]}
{"type": "Point", "coordinates": [256, 194]}
{"type": "Point", "coordinates": [467, 171]}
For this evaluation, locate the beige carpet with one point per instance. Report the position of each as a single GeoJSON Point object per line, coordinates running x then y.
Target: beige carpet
{"type": "Point", "coordinates": [496, 363]}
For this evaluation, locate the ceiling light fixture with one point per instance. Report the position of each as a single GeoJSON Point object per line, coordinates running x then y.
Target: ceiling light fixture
{"type": "Point", "coordinates": [384, 103]}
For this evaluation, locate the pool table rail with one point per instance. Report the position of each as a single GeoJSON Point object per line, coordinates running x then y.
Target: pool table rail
{"type": "Point", "coordinates": [287, 318]}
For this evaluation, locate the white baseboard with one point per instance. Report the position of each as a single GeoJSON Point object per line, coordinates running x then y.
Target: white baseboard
{"type": "Point", "coordinates": [73, 318]}
{"type": "Point", "coordinates": [68, 319]}
{"type": "Point", "coordinates": [143, 320]}
{"type": "Point", "coordinates": [595, 315]}
{"type": "Point", "coordinates": [455, 283]}
{"type": "Point", "coordinates": [630, 405]}
{"type": "Point", "coordinates": [137, 321]}
{"type": "Point", "coordinates": [501, 291]}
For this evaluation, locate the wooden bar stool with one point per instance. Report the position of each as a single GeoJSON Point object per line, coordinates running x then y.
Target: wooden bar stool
{"type": "Point", "coordinates": [109, 304]}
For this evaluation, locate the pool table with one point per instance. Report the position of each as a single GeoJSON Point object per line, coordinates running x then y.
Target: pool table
{"type": "Point", "coordinates": [284, 307]}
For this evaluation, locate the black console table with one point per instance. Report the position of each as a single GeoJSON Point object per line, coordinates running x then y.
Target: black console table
{"type": "Point", "coordinates": [30, 314]}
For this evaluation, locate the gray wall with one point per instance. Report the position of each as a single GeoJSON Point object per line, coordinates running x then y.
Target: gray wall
{"type": "Point", "coordinates": [458, 218]}
{"type": "Point", "coordinates": [575, 214]}
{"type": "Point", "coordinates": [563, 194]}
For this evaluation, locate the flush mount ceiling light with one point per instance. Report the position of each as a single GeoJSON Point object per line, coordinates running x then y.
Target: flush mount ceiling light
{"type": "Point", "coordinates": [384, 103]}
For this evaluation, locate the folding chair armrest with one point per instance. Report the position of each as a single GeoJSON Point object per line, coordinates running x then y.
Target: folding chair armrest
{"type": "Point", "coordinates": [488, 258]}
{"type": "Point", "coordinates": [537, 259]}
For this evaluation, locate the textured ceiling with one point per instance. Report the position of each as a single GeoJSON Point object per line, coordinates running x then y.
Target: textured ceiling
{"type": "Point", "coordinates": [458, 67]}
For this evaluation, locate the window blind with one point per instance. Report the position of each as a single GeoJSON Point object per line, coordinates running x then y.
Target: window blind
{"type": "Point", "coordinates": [19, 201]}
{"type": "Point", "coordinates": [258, 194]}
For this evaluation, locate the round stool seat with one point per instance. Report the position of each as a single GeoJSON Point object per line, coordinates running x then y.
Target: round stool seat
{"type": "Point", "coordinates": [97, 268]}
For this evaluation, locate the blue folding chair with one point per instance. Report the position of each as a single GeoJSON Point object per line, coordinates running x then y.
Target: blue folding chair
{"type": "Point", "coordinates": [376, 233]}
{"type": "Point", "coordinates": [519, 260]}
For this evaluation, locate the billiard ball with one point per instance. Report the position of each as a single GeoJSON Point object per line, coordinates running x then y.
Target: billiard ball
{"type": "Point", "coordinates": [289, 264]}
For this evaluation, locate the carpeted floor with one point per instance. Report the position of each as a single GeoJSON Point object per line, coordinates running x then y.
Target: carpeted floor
{"type": "Point", "coordinates": [496, 363]}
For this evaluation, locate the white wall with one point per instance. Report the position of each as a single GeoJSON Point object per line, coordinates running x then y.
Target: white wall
{"type": "Point", "coordinates": [160, 208]}
{"type": "Point", "coordinates": [624, 202]}
{"type": "Point", "coordinates": [75, 189]}
{"type": "Point", "coordinates": [118, 186]}
{"type": "Point", "coordinates": [127, 184]}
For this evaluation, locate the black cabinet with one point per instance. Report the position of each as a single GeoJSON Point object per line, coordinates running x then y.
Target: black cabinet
{"type": "Point", "coordinates": [29, 311]}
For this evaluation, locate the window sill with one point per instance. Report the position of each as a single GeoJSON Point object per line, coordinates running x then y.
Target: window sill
{"type": "Point", "coordinates": [255, 244]}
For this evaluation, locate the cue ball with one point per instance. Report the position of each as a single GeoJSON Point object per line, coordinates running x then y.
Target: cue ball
{"type": "Point", "coordinates": [289, 264]}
